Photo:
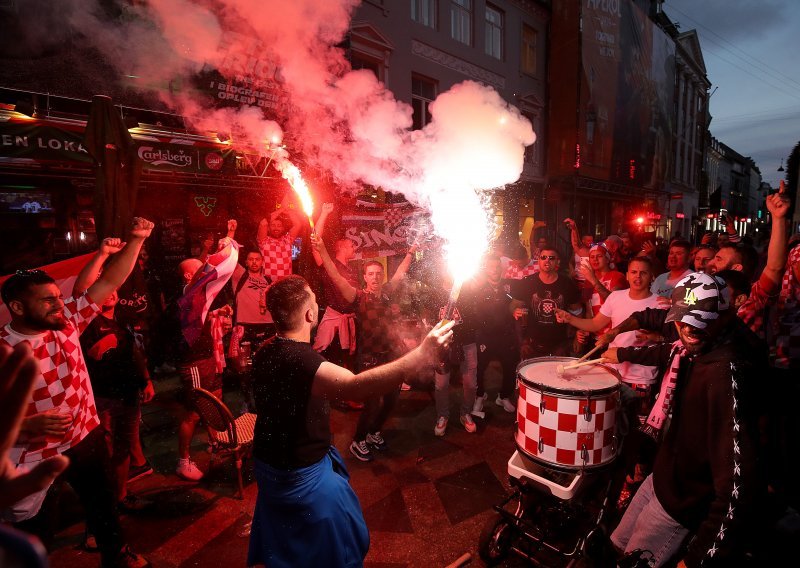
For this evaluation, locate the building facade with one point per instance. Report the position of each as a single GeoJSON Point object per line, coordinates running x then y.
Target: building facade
{"type": "Point", "coordinates": [421, 48]}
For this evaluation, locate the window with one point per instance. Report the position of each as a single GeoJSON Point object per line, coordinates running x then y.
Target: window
{"type": "Point", "coordinates": [528, 55]}
{"type": "Point", "coordinates": [423, 91]}
{"type": "Point", "coordinates": [357, 61]}
{"type": "Point", "coordinates": [494, 32]}
{"type": "Point", "coordinates": [461, 21]}
{"type": "Point", "coordinates": [424, 12]}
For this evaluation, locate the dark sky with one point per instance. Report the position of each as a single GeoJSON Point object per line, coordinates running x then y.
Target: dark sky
{"type": "Point", "coordinates": [751, 53]}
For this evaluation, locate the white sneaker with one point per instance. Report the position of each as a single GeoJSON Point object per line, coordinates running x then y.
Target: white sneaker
{"type": "Point", "coordinates": [469, 423]}
{"type": "Point", "coordinates": [477, 406]}
{"type": "Point", "coordinates": [188, 470]}
{"type": "Point", "coordinates": [507, 405]}
{"type": "Point", "coordinates": [441, 426]}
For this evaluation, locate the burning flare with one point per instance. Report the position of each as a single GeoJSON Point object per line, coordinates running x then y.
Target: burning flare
{"type": "Point", "coordinates": [291, 173]}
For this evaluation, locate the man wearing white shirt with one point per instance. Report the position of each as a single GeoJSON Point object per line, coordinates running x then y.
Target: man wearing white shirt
{"type": "Point", "coordinates": [617, 308]}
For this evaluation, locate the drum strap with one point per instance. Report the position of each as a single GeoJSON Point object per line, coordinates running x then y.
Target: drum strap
{"type": "Point", "coordinates": [663, 405]}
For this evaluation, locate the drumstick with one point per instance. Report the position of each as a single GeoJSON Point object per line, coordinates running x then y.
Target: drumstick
{"type": "Point", "coordinates": [594, 350]}
{"type": "Point", "coordinates": [562, 368]}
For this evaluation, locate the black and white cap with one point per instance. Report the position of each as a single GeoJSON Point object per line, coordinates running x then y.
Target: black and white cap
{"type": "Point", "coordinates": [698, 299]}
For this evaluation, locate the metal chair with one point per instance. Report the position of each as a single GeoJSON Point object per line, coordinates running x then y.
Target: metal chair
{"type": "Point", "coordinates": [229, 436]}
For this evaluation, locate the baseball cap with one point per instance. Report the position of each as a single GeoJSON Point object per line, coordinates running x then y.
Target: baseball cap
{"type": "Point", "coordinates": [601, 247]}
{"type": "Point", "coordinates": [698, 299]}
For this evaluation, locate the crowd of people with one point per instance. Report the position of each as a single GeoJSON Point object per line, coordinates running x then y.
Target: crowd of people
{"type": "Point", "coordinates": [694, 333]}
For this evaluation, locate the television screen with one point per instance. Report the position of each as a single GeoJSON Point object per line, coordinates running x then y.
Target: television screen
{"type": "Point", "coordinates": [26, 202]}
{"type": "Point", "coordinates": [297, 246]}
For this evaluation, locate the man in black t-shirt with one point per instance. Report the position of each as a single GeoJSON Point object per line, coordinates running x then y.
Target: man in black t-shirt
{"type": "Point", "coordinates": [306, 513]}
{"type": "Point", "coordinates": [544, 293]}
{"type": "Point", "coordinates": [496, 334]}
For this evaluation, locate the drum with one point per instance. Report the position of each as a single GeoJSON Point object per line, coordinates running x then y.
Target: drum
{"type": "Point", "coordinates": [567, 420]}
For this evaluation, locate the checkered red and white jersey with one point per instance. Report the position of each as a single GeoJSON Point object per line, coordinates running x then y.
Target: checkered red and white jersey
{"type": "Point", "coordinates": [787, 336]}
{"type": "Point", "coordinates": [277, 255]}
{"type": "Point", "coordinates": [62, 384]}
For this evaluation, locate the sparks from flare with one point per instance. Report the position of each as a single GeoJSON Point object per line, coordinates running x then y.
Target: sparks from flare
{"type": "Point", "coordinates": [291, 174]}
{"type": "Point", "coordinates": [463, 219]}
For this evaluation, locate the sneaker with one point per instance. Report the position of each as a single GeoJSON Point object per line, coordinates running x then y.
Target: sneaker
{"type": "Point", "coordinates": [133, 504]}
{"type": "Point", "coordinates": [441, 426]}
{"type": "Point", "coordinates": [361, 451]}
{"type": "Point", "coordinates": [129, 559]}
{"type": "Point", "coordinates": [507, 405]}
{"type": "Point", "coordinates": [469, 423]}
{"type": "Point", "coordinates": [136, 472]}
{"type": "Point", "coordinates": [376, 441]}
{"type": "Point", "coordinates": [188, 470]}
{"type": "Point", "coordinates": [479, 400]}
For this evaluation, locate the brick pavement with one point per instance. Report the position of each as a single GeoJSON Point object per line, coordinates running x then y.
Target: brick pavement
{"type": "Point", "coordinates": [426, 499]}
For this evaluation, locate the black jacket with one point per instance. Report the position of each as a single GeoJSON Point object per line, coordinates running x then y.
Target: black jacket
{"type": "Point", "coordinates": [706, 474]}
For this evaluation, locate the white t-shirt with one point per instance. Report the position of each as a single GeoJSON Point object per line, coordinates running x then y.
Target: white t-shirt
{"type": "Point", "coordinates": [619, 306]}
{"type": "Point", "coordinates": [663, 284]}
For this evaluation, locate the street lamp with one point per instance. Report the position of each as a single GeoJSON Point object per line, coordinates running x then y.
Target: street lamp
{"type": "Point", "coordinates": [780, 169]}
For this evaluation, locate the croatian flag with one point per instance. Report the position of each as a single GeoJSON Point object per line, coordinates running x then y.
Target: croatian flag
{"type": "Point", "coordinates": [64, 272]}
{"type": "Point", "coordinates": [204, 287]}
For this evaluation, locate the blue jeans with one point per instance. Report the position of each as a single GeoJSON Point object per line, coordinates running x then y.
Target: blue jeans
{"type": "Point", "coordinates": [468, 368]}
{"type": "Point", "coordinates": [647, 526]}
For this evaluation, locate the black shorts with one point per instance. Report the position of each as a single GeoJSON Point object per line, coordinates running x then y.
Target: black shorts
{"type": "Point", "coordinates": [199, 374]}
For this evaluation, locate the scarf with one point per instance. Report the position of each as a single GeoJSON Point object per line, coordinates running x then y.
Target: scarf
{"type": "Point", "coordinates": [663, 405]}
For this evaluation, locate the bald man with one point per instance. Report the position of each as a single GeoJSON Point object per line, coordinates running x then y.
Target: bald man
{"type": "Point", "coordinates": [201, 331]}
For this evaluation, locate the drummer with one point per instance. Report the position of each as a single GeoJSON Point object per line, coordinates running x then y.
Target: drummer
{"type": "Point", "coordinates": [618, 306]}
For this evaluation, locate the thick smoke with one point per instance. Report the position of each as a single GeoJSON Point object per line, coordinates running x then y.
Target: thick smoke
{"type": "Point", "coordinates": [342, 121]}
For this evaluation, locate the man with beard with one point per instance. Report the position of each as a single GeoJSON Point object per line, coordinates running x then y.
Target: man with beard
{"type": "Point", "coordinates": [306, 513]}
{"type": "Point", "coordinates": [275, 237]}
{"type": "Point", "coordinates": [62, 417]}
{"type": "Point", "coordinates": [704, 479]}
{"type": "Point", "coordinates": [733, 257]}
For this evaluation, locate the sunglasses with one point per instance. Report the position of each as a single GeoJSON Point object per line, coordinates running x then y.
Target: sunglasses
{"type": "Point", "coordinates": [548, 257]}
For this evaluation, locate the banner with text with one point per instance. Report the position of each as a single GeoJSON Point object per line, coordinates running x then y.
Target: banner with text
{"type": "Point", "coordinates": [46, 143]}
{"type": "Point", "coordinates": [383, 229]}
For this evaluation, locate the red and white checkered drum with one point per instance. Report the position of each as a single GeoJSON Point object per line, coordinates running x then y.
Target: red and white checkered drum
{"type": "Point", "coordinates": [567, 420]}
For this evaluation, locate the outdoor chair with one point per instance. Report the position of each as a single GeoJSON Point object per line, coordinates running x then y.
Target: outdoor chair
{"type": "Point", "coordinates": [229, 436]}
